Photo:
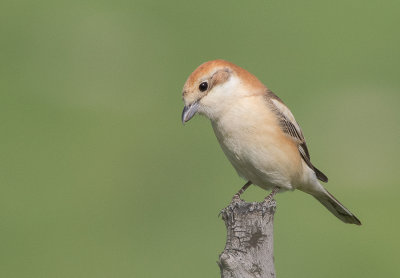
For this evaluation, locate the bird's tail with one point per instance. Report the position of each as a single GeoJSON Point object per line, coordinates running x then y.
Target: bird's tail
{"type": "Point", "coordinates": [337, 208]}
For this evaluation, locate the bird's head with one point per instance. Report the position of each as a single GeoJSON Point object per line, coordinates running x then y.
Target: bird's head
{"type": "Point", "coordinates": [213, 86]}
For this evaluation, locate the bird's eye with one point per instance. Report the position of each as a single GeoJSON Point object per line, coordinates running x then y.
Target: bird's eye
{"type": "Point", "coordinates": [203, 86]}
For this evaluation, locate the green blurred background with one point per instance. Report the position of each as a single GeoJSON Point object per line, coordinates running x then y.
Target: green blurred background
{"type": "Point", "coordinates": [100, 179]}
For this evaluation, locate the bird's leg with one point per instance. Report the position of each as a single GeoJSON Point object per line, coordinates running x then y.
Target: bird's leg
{"type": "Point", "coordinates": [272, 194]}
{"type": "Point", "coordinates": [243, 189]}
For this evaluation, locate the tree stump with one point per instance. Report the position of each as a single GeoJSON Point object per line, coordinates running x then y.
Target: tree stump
{"type": "Point", "coordinates": [248, 251]}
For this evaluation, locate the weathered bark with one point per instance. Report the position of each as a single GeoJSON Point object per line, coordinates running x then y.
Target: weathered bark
{"type": "Point", "coordinates": [249, 244]}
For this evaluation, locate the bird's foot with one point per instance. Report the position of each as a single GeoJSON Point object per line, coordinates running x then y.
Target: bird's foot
{"type": "Point", "coordinates": [236, 198]}
{"type": "Point", "coordinates": [271, 195]}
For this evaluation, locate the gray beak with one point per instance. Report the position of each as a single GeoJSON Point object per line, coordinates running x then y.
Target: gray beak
{"type": "Point", "coordinates": [189, 111]}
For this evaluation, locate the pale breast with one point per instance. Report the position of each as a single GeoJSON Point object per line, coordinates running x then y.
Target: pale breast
{"type": "Point", "coordinates": [253, 142]}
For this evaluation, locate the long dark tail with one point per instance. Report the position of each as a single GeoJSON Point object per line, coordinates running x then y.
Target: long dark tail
{"type": "Point", "coordinates": [337, 208]}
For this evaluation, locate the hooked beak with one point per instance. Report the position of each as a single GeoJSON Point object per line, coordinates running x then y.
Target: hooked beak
{"type": "Point", "coordinates": [189, 111]}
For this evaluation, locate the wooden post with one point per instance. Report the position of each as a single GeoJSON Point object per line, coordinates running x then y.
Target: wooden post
{"type": "Point", "coordinates": [249, 250]}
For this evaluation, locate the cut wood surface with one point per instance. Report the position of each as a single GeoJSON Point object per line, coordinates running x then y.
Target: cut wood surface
{"type": "Point", "coordinates": [249, 249]}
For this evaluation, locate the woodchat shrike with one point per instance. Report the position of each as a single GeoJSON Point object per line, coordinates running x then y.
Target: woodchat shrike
{"type": "Point", "coordinates": [257, 132]}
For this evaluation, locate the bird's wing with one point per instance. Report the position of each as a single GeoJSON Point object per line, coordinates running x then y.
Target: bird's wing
{"type": "Point", "coordinates": [291, 128]}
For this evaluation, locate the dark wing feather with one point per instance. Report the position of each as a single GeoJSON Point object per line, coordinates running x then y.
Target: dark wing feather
{"type": "Point", "coordinates": [292, 129]}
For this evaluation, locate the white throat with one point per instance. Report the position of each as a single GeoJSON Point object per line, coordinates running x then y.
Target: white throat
{"type": "Point", "coordinates": [221, 98]}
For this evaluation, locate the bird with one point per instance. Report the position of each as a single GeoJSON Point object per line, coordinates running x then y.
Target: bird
{"type": "Point", "coordinates": [257, 133]}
